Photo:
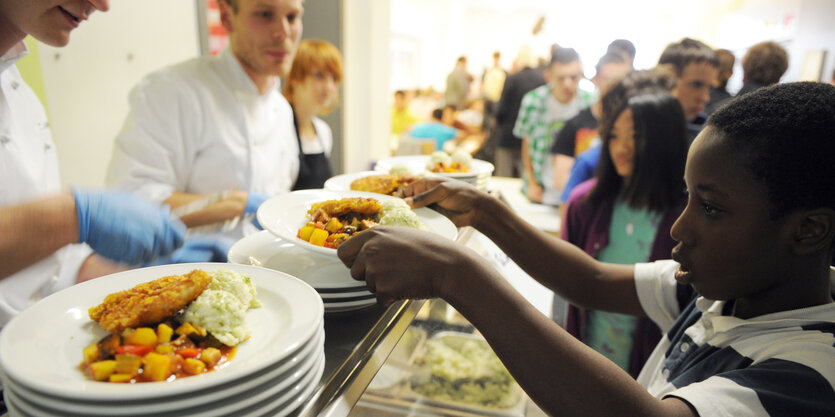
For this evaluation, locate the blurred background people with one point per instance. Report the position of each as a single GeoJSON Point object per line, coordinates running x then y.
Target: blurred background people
{"type": "Point", "coordinates": [311, 88]}
{"type": "Point", "coordinates": [719, 90]}
{"type": "Point", "coordinates": [580, 132]}
{"type": "Point", "coordinates": [624, 214]}
{"type": "Point", "coordinates": [402, 117]}
{"type": "Point", "coordinates": [763, 65]}
{"type": "Point", "coordinates": [543, 112]}
{"type": "Point", "coordinates": [625, 48]}
{"type": "Point", "coordinates": [439, 128]}
{"type": "Point", "coordinates": [695, 65]}
{"type": "Point", "coordinates": [509, 150]}
{"type": "Point", "coordinates": [458, 85]}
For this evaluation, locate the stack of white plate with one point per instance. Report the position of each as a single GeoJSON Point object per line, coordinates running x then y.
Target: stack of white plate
{"type": "Point", "coordinates": [479, 173]}
{"type": "Point", "coordinates": [326, 274]}
{"type": "Point", "coordinates": [271, 374]}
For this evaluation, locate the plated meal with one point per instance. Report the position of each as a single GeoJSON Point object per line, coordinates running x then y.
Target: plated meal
{"type": "Point", "coordinates": [169, 328]}
{"type": "Point", "coordinates": [332, 222]}
{"type": "Point", "coordinates": [442, 162]}
{"type": "Point", "coordinates": [388, 184]}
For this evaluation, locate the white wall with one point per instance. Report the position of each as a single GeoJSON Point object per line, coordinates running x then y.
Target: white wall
{"type": "Point", "coordinates": [87, 82]}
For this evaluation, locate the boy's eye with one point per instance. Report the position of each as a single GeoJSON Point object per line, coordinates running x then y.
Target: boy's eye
{"type": "Point", "coordinates": [710, 209]}
{"type": "Point", "coordinates": [264, 14]}
{"type": "Point", "coordinates": [292, 17]}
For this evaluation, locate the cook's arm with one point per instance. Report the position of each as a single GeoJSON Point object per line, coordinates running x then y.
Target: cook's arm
{"type": "Point", "coordinates": [233, 205]}
{"type": "Point", "coordinates": [34, 230]}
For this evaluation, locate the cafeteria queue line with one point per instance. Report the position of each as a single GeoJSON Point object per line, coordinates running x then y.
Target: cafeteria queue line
{"type": "Point", "coordinates": [215, 143]}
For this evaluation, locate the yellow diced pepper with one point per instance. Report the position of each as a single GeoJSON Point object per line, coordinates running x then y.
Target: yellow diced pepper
{"type": "Point", "coordinates": [210, 356]}
{"type": "Point", "coordinates": [157, 367]}
{"type": "Point", "coordinates": [194, 366]}
{"type": "Point", "coordinates": [144, 336]}
{"type": "Point", "coordinates": [188, 329]}
{"type": "Point", "coordinates": [91, 353]}
{"type": "Point", "coordinates": [120, 378]}
{"type": "Point", "coordinates": [164, 333]}
{"type": "Point", "coordinates": [333, 225]}
{"type": "Point", "coordinates": [318, 237]}
{"type": "Point", "coordinates": [164, 349]}
{"type": "Point", "coordinates": [102, 370]}
{"type": "Point", "coordinates": [128, 364]}
{"type": "Point", "coordinates": [305, 231]}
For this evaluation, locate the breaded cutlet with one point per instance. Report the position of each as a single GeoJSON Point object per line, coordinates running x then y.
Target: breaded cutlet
{"type": "Point", "coordinates": [149, 302]}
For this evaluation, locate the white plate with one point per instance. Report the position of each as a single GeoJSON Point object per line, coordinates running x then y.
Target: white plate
{"type": "Point", "coordinates": [285, 214]}
{"type": "Point", "coordinates": [343, 182]}
{"type": "Point", "coordinates": [41, 347]}
{"type": "Point", "coordinates": [324, 273]}
{"type": "Point", "coordinates": [417, 164]}
{"type": "Point", "coordinates": [278, 376]}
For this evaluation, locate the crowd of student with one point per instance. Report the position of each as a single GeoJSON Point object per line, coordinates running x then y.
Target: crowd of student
{"type": "Point", "coordinates": [740, 322]}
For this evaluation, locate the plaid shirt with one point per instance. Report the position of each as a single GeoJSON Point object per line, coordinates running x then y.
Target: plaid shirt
{"type": "Point", "coordinates": [533, 124]}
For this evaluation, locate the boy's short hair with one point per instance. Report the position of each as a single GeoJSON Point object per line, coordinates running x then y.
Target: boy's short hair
{"type": "Point", "coordinates": [623, 45]}
{"type": "Point", "coordinates": [685, 52]}
{"type": "Point", "coordinates": [610, 58]}
{"type": "Point", "coordinates": [438, 114]}
{"type": "Point", "coordinates": [784, 134]}
{"type": "Point", "coordinates": [564, 55]}
{"type": "Point", "coordinates": [726, 66]}
{"type": "Point", "coordinates": [765, 63]}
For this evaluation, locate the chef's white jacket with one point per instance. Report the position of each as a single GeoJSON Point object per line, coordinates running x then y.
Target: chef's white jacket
{"type": "Point", "coordinates": [202, 127]}
{"type": "Point", "coordinates": [29, 171]}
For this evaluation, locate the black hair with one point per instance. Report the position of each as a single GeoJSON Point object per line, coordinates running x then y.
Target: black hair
{"type": "Point", "coordinates": [688, 51]}
{"type": "Point", "coordinates": [564, 55]}
{"type": "Point", "coordinates": [614, 98]}
{"type": "Point", "coordinates": [726, 66]}
{"type": "Point", "coordinates": [623, 45]}
{"type": "Point", "coordinates": [400, 93]}
{"type": "Point", "coordinates": [785, 135]}
{"type": "Point", "coordinates": [657, 182]}
{"type": "Point", "coordinates": [438, 114]}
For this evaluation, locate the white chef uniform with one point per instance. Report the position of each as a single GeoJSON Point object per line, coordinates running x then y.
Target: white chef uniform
{"type": "Point", "coordinates": [202, 127]}
{"type": "Point", "coordinates": [28, 171]}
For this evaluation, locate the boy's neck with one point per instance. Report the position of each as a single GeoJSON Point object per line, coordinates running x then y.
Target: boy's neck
{"type": "Point", "coordinates": [805, 289]}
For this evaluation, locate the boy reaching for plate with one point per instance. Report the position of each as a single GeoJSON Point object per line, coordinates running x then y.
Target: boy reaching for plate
{"type": "Point", "coordinates": [746, 305]}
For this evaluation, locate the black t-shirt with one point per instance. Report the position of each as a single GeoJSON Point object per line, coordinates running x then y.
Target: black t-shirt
{"type": "Point", "coordinates": [576, 135]}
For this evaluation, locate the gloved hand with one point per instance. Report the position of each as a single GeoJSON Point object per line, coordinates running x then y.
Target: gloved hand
{"type": "Point", "coordinates": [125, 228]}
{"type": "Point", "coordinates": [253, 201]}
{"type": "Point", "coordinates": [198, 249]}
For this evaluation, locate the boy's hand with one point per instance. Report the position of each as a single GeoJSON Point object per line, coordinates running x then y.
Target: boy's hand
{"type": "Point", "coordinates": [457, 200]}
{"type": "Point", "coordinates": [399, 263]}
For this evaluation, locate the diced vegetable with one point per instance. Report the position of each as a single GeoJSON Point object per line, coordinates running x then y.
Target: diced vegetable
{"type": "Point", "coordinates": [91, 353]}
{"type": "Point", "coordinates": [194, 366]}
{"type": "Point", "coordinates": [137, 350]}
{"type": "Point", "coordinates": [144, 336]}
{"type": "Point", "coordinates": [156, 367]}
{"type": "Point", "coordinates": [102, 370]}
{"type": "Point", "coordinates": [189, 352]}
{"type": "Point", "coordinates": [128, 364]}
{"type": "Point", "coordinates": [120, 378]}
{"type": "Point", "coordinates": [107, 346]}
{"type": "Point", "coordinates": [164, 333]}
{"type": "Point", "coordinates": [210, 356]}
{"type": "Point", "coordinates": [318, 237]}
{"type": "Point", "coordinates": [164, 349]}
{"type": "Point", "coordinates": [305, 231]}
{"type": "Point", "coordinates": [333, 225]}
{"type": "Point", "coordinates": [189, 329]}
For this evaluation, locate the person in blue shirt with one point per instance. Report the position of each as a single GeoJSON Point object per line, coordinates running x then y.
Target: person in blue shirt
{"type": "Point", "coordinates": [436, 128]}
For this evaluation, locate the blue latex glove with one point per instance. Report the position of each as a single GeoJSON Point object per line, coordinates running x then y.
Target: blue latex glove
{"type": "Point", "coordinates": [124, 228]}
{"type": "Point", "coordinates": [253, 201]}
{"type": "Point", "coordinates": [198, 249]}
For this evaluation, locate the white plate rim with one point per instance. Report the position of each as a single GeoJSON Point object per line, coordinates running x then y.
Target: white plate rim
{"type": "Point", "coordinates": [417, 163]}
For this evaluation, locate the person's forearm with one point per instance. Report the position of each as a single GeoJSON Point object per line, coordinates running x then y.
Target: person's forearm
{"type": "Point", "coordinates": [526, 162]}
{"type": "Point", "coordinates": [557, 264]}
{"type": "Point", "coordinates": [230, 207]}
{"type": "Point", "coordinates": [34, 230]}
{"type": "Point", "coordinates": [562, 170]}
{"type": "Point", "coordinates": [561, 374]}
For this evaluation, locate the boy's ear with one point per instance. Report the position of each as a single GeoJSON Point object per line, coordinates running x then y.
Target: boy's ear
{"type": "Point", "coordinates": [814, 231]}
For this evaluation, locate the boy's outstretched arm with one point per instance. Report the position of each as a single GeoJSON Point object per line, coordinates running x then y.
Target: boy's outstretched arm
{"type": "Point", "coordinates": [562, 375]}
{"type": "Point", "coordinates": [559, 265]}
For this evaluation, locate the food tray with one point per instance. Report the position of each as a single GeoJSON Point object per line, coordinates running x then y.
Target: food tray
{"type": "Point", "coordinates": [400, 394]}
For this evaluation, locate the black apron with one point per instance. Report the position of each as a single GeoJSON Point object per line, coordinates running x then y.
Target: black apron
{"type": "Point", "coordinates": [314, 168]}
